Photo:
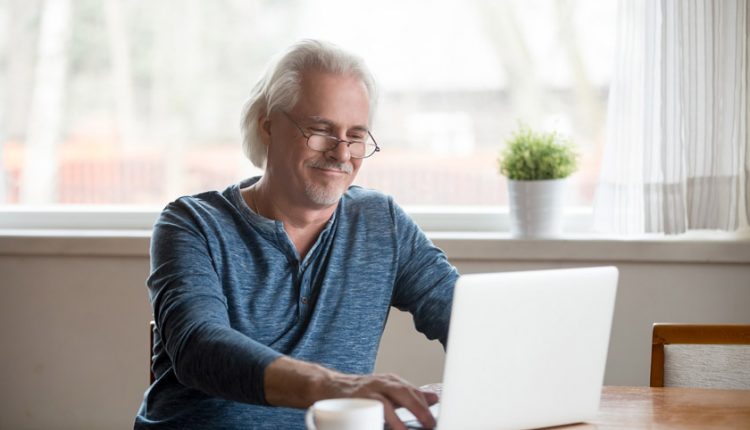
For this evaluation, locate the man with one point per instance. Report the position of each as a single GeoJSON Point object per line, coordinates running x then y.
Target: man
{"type": "Point", "coordinates": [274, 293]}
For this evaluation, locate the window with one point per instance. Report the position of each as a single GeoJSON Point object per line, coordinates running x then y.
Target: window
{"type": "Point", "coordinates": [138, 102]}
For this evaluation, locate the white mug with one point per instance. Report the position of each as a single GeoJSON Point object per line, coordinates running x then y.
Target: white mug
{"type": "Point", "coordinates": [345, 414]}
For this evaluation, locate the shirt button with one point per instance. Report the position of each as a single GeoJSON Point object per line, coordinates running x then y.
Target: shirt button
{"type": "Point", "coordinates": [304, 300]}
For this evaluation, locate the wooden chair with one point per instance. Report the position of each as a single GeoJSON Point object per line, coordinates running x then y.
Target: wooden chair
{"type": "Point", "coordinates": [700, 355]}
{"type": "Point", "coordinates": [151, 328]}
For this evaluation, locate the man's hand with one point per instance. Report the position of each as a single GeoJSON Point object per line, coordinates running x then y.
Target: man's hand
{"type": "Point", "coordinates": [299, 384]}
{"type": "Point", "coordinates": [390, 389]}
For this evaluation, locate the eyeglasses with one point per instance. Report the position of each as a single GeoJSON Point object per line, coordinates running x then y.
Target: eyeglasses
{"type": "Point", "coordinates": [358, 148]}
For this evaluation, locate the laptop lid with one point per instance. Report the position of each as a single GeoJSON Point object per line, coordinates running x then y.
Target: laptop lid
{"type": "Point", "coordinates": [527, 349]}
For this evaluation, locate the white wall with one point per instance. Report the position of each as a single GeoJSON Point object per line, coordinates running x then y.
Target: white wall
{"type": "Point", "coordinates": [75, 341]}
{"type": "Point", "coordinates": [74, 336]}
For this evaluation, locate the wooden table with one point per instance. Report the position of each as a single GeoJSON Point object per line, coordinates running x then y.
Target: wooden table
{"type": "Point", "coordinates": [671, 408]}
{"type": "Point", "coordinates": [665, 408]}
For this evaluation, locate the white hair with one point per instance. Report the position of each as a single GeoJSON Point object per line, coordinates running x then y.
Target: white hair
{"type": "Point", "coordinates": [279, 87]}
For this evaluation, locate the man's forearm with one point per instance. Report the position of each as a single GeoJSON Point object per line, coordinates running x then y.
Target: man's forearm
{"type": "Point", "coordinates": [294, 383]}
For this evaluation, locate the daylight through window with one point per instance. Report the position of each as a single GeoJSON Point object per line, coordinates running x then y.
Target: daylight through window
{"type": "Point", "coordinates": [138, 102]}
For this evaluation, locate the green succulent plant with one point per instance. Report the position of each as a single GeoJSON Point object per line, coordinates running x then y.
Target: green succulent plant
{"type": "Point", "coordinates": [535, 156]}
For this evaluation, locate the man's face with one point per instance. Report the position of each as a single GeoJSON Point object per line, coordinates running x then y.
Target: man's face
{"type": "Point", "coordinates": [332, 104]}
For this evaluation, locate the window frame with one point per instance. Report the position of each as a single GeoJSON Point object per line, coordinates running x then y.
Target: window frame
{"type": "Point", "coordinates": [101, 232]}
{"type": "Point", "coordinates": [489, 219]}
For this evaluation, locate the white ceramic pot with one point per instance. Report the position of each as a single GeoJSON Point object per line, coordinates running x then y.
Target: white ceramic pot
{"type": "Point", "coordinates": [536, 208]}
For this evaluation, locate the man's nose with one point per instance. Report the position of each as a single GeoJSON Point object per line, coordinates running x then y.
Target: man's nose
{"type": "Point", "coordinates": [340, 152]}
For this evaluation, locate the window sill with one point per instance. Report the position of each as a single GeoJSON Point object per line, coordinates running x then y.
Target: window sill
{"type": "Point", "coordinates": [476, 246]}
{"type": "Point", "coordinates": [70, 242]}
{"type": "Point", "coordinates": [691, 248]}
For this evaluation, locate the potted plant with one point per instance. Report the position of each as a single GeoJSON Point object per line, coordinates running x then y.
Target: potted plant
{"type": "Point", "coordinates": [536, 165]}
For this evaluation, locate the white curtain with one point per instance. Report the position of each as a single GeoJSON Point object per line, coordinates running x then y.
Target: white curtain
{"type": "Point", "coordinates": [676, 156]}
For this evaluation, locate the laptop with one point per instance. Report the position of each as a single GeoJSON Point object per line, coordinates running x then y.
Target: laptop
{"type": "Point", "coordinates": [525, 349]}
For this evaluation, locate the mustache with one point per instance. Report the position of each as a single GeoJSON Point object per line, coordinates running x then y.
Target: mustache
{"type": "Point", "coordinates": [330, 165]}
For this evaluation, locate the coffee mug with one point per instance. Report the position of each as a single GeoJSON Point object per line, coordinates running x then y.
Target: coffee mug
{"type": "Point", "coordinates": [345, 414]}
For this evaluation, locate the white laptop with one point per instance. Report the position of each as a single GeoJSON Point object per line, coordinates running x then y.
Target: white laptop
{"type": "Point", "coordinates": [526, 349]}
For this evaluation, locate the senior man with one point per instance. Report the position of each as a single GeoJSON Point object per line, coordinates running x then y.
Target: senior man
{"type": "Point", "coordinates": [274, 293]}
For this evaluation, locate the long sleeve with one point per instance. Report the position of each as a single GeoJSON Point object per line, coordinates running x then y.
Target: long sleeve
{"type": "Point", "coordinates": [190, 309]}
{"type": "Point", "coordinates": [425, 279]}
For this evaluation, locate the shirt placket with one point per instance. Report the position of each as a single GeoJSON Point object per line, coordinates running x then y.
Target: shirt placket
{"type": "Point", "coordinates": [305, 290]}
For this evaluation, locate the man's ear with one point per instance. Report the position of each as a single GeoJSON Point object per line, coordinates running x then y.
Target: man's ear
{"type": "Point", "coordinates": [264, 129]}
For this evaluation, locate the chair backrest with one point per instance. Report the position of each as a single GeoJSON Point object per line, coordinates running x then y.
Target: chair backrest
{"type": "Point", "coordinates": [700, 355]}
{"type": "Point", "coordinates": [151, 377]}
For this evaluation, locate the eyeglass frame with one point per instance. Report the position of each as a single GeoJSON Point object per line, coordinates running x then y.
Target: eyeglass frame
{"type": "Point", "coordinates": [333, 138]}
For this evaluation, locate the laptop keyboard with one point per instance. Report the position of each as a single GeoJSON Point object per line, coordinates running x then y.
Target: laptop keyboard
{"type": "Point", "coordinates": [411, 421]}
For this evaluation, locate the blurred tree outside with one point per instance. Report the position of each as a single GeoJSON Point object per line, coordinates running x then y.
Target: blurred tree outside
{"type": "Point", "coordinates": [47, 97]}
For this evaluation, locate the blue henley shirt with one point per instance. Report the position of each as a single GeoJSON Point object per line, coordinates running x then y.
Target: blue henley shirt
{"type": "Point", "coordinates": [230, 295]}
